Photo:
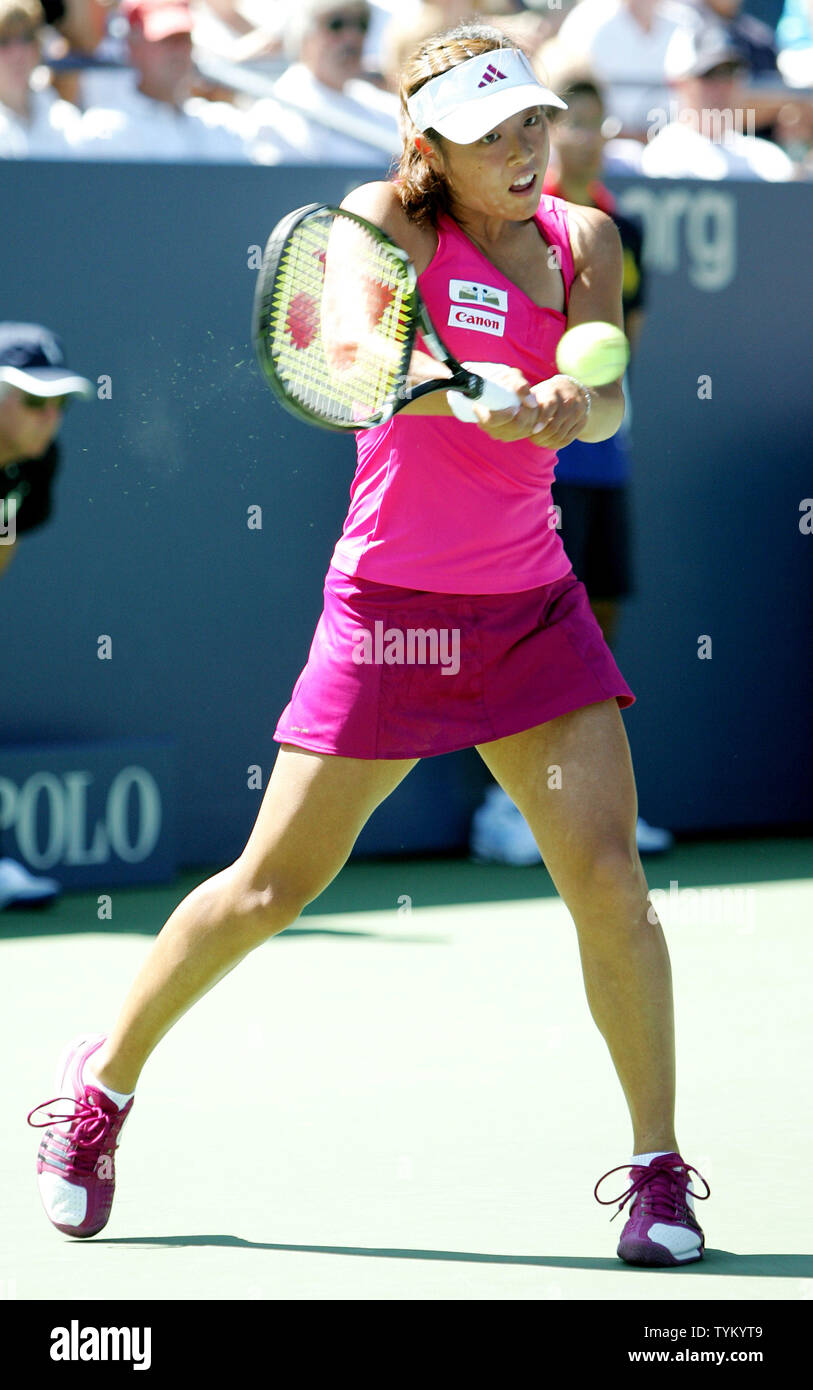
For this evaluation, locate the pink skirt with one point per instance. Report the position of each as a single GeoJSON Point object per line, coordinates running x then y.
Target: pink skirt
{"type": "Point", "coordinates": [402, 673]}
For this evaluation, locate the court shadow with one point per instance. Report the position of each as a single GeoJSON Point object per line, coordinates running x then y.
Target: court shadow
{"type": "Point", "coordinates": [366, 935]}
{"type": "Point", "coordinates": [29, 924]}
{"type": "Point", "coordinates": [715, 1262]}
{"type": "Point", "coordinates": [382, 885]}
{"type": "Point", "coordinates": [365, 885]}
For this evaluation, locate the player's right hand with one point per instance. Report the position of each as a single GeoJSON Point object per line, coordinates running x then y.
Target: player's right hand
{"type": "Point", "coordinates": [517, 422]}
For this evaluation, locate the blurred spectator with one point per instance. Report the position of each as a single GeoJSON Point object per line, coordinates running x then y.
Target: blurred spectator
{"type": "Point", "coordinates": [591, 488]}
{"type": "Point", "coordinates": [574, 174]}
{"type": "Point", "coordinates": [755, 40]}
{"type": "Point", "coordinates": [33, 123]}
{"type": "Point", "coordinates": [335, 106]}
{"type": "Point", "coordinates": [88, 64]}
{"type": "Point", "coordinates": [222, 25]}
{"type": "Point", "coordinates": [155, 118]}
{"type": "Point", "coordinates": [757, 45]}
{"type": "Point", "coordinates": [766, 10]}
{"type": "Point", "coordinates": [81, 22]}
{"type": "Point", "coordinates": [781, 115]}
{"type": "Point", "coordinates": [35, 386]}
{"type": "Point", "coordinates": [624, 44]}
{"type": "Point", "coordinates": [794, 121]}
{"type": "Point", "coordinates": [385, 16]}
{"type": "Point", "coordinates": [704, 134]}
{"type": "Point", "coordinates": [795, 27]}
{"type": "Point", "coordinates": [592, 480]}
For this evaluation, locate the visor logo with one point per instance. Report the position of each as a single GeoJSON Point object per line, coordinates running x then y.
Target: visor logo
{"type": "Point", "coordinates": [491, 74]}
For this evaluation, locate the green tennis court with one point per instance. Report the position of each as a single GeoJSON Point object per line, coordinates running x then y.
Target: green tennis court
{"type": "Point", "coordinates": [404, 1095]}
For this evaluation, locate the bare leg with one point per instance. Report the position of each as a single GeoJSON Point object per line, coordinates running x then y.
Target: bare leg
{"type": "Point", "coordinates": [313, 810]}
{"type": "Point", "coordinates": [585, 830]}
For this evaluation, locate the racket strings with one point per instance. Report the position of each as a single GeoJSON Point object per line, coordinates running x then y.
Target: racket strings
{"type": "Point", "coordinates": [339, 320]}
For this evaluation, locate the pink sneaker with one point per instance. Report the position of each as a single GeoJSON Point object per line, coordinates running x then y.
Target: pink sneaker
{"type": "Point", "coordinates": [75, 1166]}
{"type": "Point", "coordinates": [662, 1228]}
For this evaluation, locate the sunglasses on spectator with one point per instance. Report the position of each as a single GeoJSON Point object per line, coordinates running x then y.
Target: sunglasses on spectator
{"type": "Point", "coordinates": [721, 70]}
{"type": "Point", "coordinates": [29, 36]}
{"type": "Point", "coordinates": [40, 402]}
{"type": "Point", "coordinates": [336, 23]}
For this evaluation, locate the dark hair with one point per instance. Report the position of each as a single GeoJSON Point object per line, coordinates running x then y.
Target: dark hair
{"type": "Point", "coordinates": [423, 192]}
{"type": "Point", "coordinates": [578, 87]}
{"type": "Point", "coordinates": [582, 87]}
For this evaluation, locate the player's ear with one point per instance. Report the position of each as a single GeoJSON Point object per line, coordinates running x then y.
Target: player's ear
{"type": "Point", "coordinates": [428, 149]}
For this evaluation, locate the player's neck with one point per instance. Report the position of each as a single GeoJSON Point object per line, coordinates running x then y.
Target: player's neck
{"type": "Point", "coordinates": [489, 233]}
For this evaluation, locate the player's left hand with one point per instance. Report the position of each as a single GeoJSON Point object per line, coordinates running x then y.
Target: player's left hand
{"type": "Point", "coordinates": [562, 412]}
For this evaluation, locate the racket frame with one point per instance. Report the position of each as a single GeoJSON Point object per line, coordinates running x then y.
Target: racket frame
{"type": "Point", "coordinates": [466, 382]}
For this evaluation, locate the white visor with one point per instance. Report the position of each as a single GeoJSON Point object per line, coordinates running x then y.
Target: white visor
{"type": "Point", "coordinates": [468, 101]}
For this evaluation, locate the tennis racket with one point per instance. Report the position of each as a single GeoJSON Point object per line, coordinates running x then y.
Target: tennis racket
{"type": "Point", "coordinates": [337, 311]}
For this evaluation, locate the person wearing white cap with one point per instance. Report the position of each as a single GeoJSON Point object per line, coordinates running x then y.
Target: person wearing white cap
{"type": "Point", "coordinates": [35, 386]}
{"type": "Point", "coordinates": [624, 44]}
{"type": "Point", "coordinates": [340, 118]}
{"type": "Point", "coordinates": [705, 134]}
{"type": "Point", "coordinates": [452, 513]}
{"type": "Point", "coordinates": [449, 527]}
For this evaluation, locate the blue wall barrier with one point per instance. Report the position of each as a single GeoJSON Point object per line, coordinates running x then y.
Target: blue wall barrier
{"type": "Point", "coordinates": [97, 813]}
{"type": "Point", "coordinates": [148, 273]}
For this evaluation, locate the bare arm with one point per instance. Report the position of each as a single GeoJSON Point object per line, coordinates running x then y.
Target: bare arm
{"type": "Point", "coordinates": [562, 413]}
{"type": "Point", "coordinates": [596, 296]}
{"type": "Point", "coordinates": [554, 412]}
{"type": "Point", "coordinates": [379, 204]}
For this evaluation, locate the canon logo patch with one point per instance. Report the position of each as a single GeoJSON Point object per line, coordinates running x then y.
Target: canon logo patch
{"type": "Point", "coordinates": [477, 320]}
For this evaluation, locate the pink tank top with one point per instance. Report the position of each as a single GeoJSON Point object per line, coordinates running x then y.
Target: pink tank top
{"type": "Point", "coordinates": [436, 504]}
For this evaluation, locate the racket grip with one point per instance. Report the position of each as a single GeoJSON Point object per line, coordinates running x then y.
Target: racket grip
{"type": "Point", "coordinates": [493, 396]}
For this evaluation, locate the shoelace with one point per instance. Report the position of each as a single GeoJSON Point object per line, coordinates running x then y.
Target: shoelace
{"type": "Point", "coordinates": [89, 1124]}
{"type": "Point", "coordinates": [662, 1189]}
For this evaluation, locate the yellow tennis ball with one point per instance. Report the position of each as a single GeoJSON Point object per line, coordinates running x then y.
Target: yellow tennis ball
{"type": "Point", "coordinates": [594, 353]}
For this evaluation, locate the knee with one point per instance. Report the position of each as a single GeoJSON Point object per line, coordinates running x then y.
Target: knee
{"type": "Point", "coordinates": [260, 909]}
{"type": "Point", "coordinates": [611, 874]}
{"type": "Point", "coordinates": [617, 866]}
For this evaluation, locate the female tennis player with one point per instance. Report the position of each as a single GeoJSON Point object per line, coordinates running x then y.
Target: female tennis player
{"type": "Point", "coordinates": [450, 528]}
